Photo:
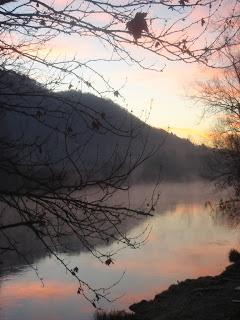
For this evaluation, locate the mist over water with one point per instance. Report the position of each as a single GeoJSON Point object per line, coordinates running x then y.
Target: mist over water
{"type": "Point", "coordinates": [186, 241]}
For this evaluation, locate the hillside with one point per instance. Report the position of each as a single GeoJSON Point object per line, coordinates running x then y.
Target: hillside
{"type": "Point", "coordinates": [96, 132]}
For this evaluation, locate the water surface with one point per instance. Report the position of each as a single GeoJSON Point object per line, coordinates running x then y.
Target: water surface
{"type": "Point", "coordinates": [186, 241]}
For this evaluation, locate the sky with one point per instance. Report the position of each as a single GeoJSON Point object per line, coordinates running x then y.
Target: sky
{"type": "Point", "coordinates": [159, 98]}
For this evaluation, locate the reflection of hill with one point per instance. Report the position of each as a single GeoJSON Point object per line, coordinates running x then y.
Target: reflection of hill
{"type": "Point", "coordinates": [171, 196]}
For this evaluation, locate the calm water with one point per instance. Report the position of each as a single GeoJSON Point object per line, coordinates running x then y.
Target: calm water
{"type": "Point", "coordinates": [186, 241]}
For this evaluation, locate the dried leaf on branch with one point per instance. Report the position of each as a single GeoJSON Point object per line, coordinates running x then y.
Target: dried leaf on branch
{"type": "Point", "coordinates": [137, 25]}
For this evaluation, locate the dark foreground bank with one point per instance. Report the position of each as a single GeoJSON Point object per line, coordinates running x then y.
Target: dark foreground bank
{"type": "Point", "coordinates": [205, 298]}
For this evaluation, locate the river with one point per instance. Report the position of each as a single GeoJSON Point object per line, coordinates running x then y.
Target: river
{"type": "Point", "coordinates": [187, 240]}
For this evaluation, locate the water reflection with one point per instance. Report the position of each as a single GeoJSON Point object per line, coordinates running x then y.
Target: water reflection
{"type": "Point", "coordinates": [184, 242]}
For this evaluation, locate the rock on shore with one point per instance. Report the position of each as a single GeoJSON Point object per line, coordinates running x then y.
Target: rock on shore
{"type": "Point", "coordinates": [205, 298]}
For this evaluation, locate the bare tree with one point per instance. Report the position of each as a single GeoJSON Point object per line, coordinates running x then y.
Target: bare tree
{"type": "Point", "coordinates": [190, 31]}
{"type": "Point", "coordinates": [220, 97]}
{"type": "Point", "coordinates": [58, 178]}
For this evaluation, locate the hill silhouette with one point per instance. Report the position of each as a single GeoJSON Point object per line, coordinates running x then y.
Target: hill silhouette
{"type": "Point", "coordinates": [99, 129]}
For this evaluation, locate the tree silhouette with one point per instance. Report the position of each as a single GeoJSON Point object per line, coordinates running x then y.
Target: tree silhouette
{"type": "Point", "coordinates": [220, 97]}
{"type": "Point", "coordinates": [59, 180]}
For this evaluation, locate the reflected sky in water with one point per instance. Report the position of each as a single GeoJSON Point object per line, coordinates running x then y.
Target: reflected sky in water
{"type": "Point", "coordinates": [185, 242]}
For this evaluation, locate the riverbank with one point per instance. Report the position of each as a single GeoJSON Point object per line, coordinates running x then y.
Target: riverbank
{"type": "Point", "coordinates": [205, 298]}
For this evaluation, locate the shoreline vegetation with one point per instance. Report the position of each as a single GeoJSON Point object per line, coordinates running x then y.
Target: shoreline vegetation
{"type": "Point", "coordinates": [205, 298]}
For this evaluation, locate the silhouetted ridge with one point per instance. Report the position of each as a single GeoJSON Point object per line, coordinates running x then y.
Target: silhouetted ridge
{"type": "Point", "coordinates": [102, 123]}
